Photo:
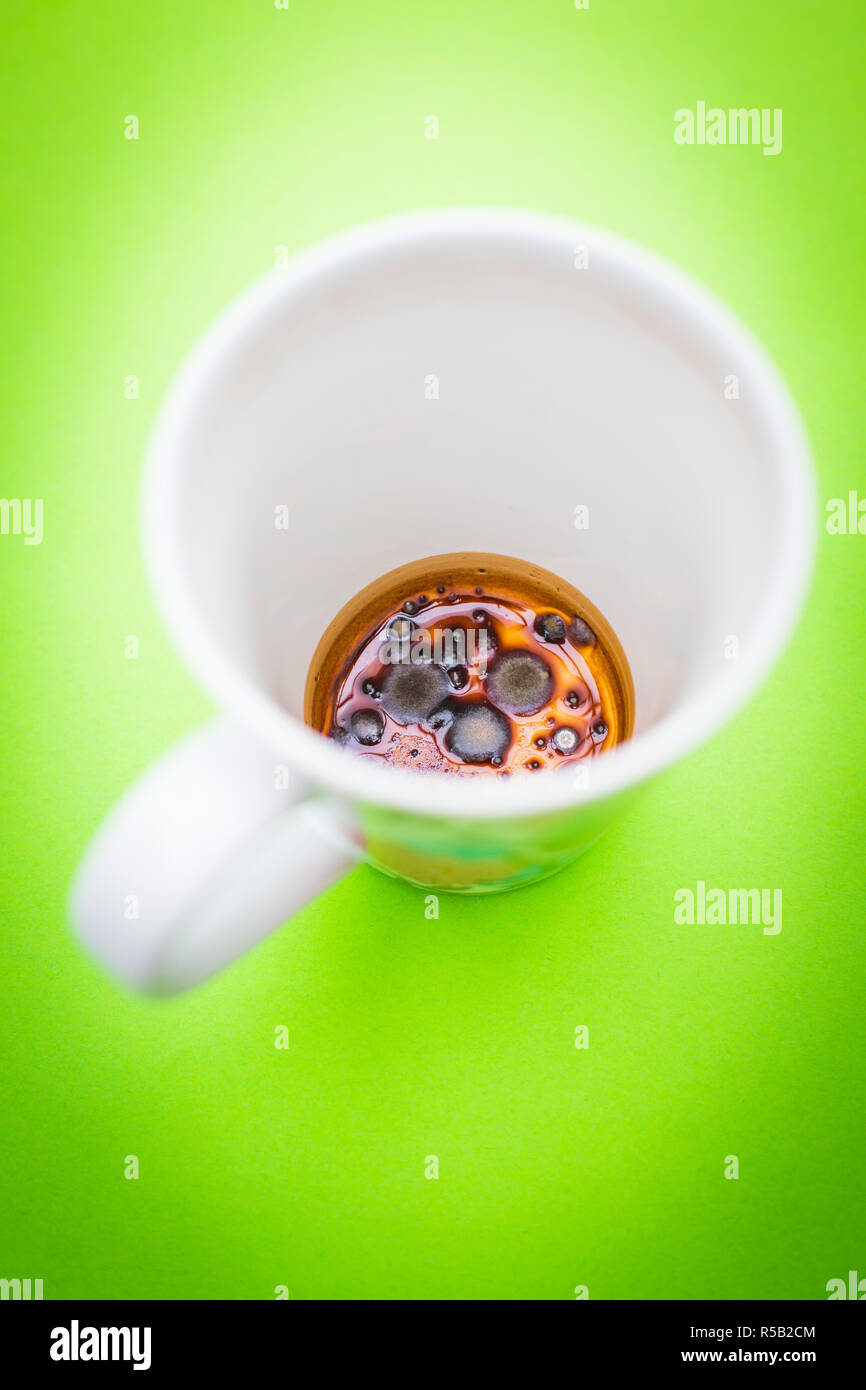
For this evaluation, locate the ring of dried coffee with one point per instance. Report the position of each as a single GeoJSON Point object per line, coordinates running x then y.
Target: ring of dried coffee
{"type": "Point", "coordinates": [493, 666]}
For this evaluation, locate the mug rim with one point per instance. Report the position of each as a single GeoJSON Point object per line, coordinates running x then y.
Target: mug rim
{"type": "Point", "coordinates": [680, 731]}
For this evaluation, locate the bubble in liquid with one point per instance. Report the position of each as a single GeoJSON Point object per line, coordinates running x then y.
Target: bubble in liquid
{"type": "Point", "coordinates": [581, 633]}
{"type": "Point", "coordinates": [478, 734]}
{"type": "Point", "coordinates": [410, 693]}
{"type": "Point", "coordinates": [520, 683]}
{"type": "Point", "coordinates": [565, 740]}
{"type": "Point", "coordinates": [367, 726]}
{"type": "Point", "coordinates": [400, 628]}
{"type": "Point", "coordinates": [551, 627]}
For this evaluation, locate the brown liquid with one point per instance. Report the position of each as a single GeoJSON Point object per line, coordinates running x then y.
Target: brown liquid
{"type": "Point", "coordinates": [471, 664]}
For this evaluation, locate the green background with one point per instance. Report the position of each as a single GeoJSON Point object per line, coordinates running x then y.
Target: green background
{"type": "Point", "coordinates": [410, 1038]}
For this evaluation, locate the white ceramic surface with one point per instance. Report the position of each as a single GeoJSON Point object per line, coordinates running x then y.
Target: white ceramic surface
{"type": "Point", "coordinates": [573, 370]}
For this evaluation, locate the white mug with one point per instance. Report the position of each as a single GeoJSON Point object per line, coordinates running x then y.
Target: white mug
{"type": "Point", "coordinates": [455, 380]}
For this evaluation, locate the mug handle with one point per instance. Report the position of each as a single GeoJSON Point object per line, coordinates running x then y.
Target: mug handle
{"type": "Point", "coordinates": [205, 855]}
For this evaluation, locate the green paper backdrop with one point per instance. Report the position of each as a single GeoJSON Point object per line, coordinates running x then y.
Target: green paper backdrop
{"type": "Point", "coordinates": [305, 1167]}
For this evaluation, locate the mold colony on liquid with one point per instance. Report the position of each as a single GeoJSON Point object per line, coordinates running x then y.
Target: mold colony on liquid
{"type": "Point", "coordinates": [477, 681]}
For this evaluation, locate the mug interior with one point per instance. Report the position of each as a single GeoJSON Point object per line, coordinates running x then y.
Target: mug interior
{"type": "Point", "coordinates": [474, 381]}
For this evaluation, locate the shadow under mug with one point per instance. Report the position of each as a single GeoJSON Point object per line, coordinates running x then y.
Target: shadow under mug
{"type": "Point", "coordinates": [456, 380]}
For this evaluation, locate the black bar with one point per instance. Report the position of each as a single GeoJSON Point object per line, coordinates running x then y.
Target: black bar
{"type": "Point", "coordinates": [229, 1337]}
